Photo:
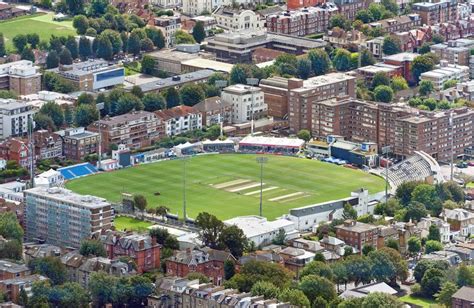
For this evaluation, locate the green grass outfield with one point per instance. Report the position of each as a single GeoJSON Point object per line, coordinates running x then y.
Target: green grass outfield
{"type": "Point", "coordinates": [128, 223]}
{"type": "Point", "coordinates": [318, 182]}
{"type": "Point", "coordinates": [42, 24]}
{"type": "Point", "coordinates": [421, 302]}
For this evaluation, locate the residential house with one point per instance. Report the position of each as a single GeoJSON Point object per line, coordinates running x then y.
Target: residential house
{"type": "Point", "coordinates": [463, 298]}
{"type": "Point", "coordinates": [461, 221]}
{"type": "Point", "coordinates": [341, 38]}
{"type": "Point", "coordinates": [17, 150]}
{"type": "Point", "coordinates": [214, 111]}
{"type": "Point", "coordinates": [47, 145]}
{"type": "Point", "coordinates": [142, 249]}
{"type": "Point", "coordinates": [78, 143]}
{"type": "Point", "coordinates": [357, 234]}
{"type": "Point", "coordinates": [9, 270]}
{"type": "Point", "coordinates": [12, 287]}
{"type": "Point", "coordinates": [296, 259]}
{"type": "Point", "coordinates": [206, 261]}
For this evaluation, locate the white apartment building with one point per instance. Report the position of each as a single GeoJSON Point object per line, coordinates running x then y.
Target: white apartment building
{"type": "Point", "coordinates": [197, 7]}
{"type": "Point", "coordinates": [180, 119]}
{"type": "Point", "coordinates": [445, 72]}
{"type": "Point", "coordinates": [167, 4]}
{"type": "Point", "coordinates": [236, 20]}
{"type": "Point", "coordinates": [247, 102]}
{"type": "Point", "coordinates": [14, 118]}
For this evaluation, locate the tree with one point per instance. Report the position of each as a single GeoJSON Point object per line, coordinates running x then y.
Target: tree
{"type": "Point", "coordinates": [266, 289]}
{"type": "Point", "coordinates": [378, 299]}
{"type": "Point", "coordinates": [146, 45]}
{"type": "Point", "coordinates": [432, 246]}
{"type": "Point", "coordinates": [303, 68]}
{"type": "Point", "coordinates": [404, 192]}
{"type": "Point", "coordinates": [191, 94]}
{"type": "Point", "coordinates": [199, 34]}
{"type": "Point", "coordinates": [423, 265]}
{"type": "Point", "coordinates": [68, 115]}
{"type": "Point", "coordinates": [3, 51]}
{"type": "Point", "coordinates": [140, 202]}
{"type": "Point", "coordinates": [434, 233]}
{"type": "Point", "coordinates": [421, 64]}
{"type": "Point", "coordinates": [391, 45]}
{"type": "Point", "coordinates": [415, 211]}
{"type": "Point", "coordinates": [317, 268]}
{"type": "Point", "coordinates": [27, 54]}
{"type": "Point", "coordinates": [349, 212]}
{"type": "Point", "coordinates": [172, 98]}
{"type": "Point", "coordinates": [383, 269]}
{"type": "Point", "coordinates": [153, 102]}
{"type": "Point", "coordinates": [426, 87]}
{"type": "Point", "coordinates": [72, 46]}
{"type": "Point", "coordinates": [182, 37]}
{"type": "Point", "coordinates": [128, 102]}
{"type": "Point", "coordinates": [50, 267]}
{"type": "Point", "coordinates": [56, 43]}
{"type": "Point", "coordinates": [366, 58]}
{"type": "Point", "coordinates": [11, 249]}
{"type": "Point", "coordinates": [392, 243]}
{"type": "Point", "coordinates": [133, 44]}
{"type": "Point", "coordinates": [340, 21]}
{"type": "Point", "coordinates": [20, 41]}
{"type": "Point", "coordinates": [280, 237]}
{"type": "Point", "coordinates": [445, 295]}
{"type": "Point", "coordinates": [156, 36]}
{"type": "Point", "coordinates": [148, 65]}
{"type": "Point", "coordinates": [52, 60]}
{"type": "Point", "coordinates": [85, 115]}
{"type": "Point", "coordinates": [43, 121]}
{"type": "Point", "coordinates": [238, 75]}
{"type": "Point", "coordinates": [342, 60]}
{"type": "Point", "coordinates": [92, 248]}
{"type": "Point", "coordinates": [399, 83]}
{"type": "Point", "coordinates": [233, 238]}
{"type": "Point", "coordinates": [33, 39]}
{"type": "Point", "coordinates": [366, 249]}
{"type": "Point", "coordinates": [294, 297]}
{"type": "Point", "coordinates": [161, 210]}
{"type": "Point", "coordinates": [211, 228]}
{"type": "Point", "coordinates": [432, 281]}
{"type": "Point", "coordinates": [437, 39]}
{"type": "Point", "coordinates": [98, 8]}
{"type": "Point", "coordinates": [314, 286]}
{"type": "Point", "coordinates": [304, 134]}
{"type": "Point", "coordinates": [414, 245]}
{"type": "Point", "coordinates": [102, 288]}
{"type": "Point", "coordinates": [425, 48]}
{"type": "Point", "coordinates": [364, 15]}
{"type": "Point", "coordinates": [85, 48]}
{"type": "Point", "coordinates": [380, 79]}
{"type": "Point", "coordinates": [383, 94]}
{"type": "Point", "coordinates": [104, 48]}
{"type": "Point", "coordinates": [81, 24]}
{"type": "Point", "coordinates": [65, 57]}
{"type": "Point", "coordinates": [449, 84]}
{"type": "Point", "coordinates": [54, 111]}
{"type": "Point", "coordinates": [137, 91]}
{"type": "Point", "coordinates": [320, 61]}
{"type": "Point", "coordinates": [85, 99]}
{"type": "Point", "coordinates": [229, 269]}
{"type": "Point", "coordinates": [75, 7]}
{"type": "Point", "coordinates": [465, 275]}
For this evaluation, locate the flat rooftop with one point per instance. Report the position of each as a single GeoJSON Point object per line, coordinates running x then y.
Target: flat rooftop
{"type": "Point", "coordinates": [207, 64]}
{"type": "Point", "coordinates": [157, 84]}
{"type": "Point", "coordinates": [65, 195]}
{"type": "Point", "coordinates": [241, 89]}
{"type": "Point", "coordinates": [87, 67]}
{"type": "Point", "coordinates": [322, 80]}
{"type": "Point", "coordinates": [10, 267]}
{"type": "Point", "coordinates": [402, 56]}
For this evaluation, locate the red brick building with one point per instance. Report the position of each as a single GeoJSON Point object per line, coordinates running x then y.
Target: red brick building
{"type": "Point", "coordinates": [143, 249]}
{"type": "Point", "coordinates": [207, 261]}
{"type": "Point", "coordinates": [357, 234]}
{"type": "Point", "coordinates": [15, 149]}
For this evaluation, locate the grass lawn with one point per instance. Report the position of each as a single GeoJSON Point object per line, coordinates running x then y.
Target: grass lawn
{"type": "Point", "coordinates": [422, 302]}
{"type": "Point", "coordinates": [42, 24]}
{"type": "Point", "coordinates": [288, 182]}
{"type": "Point", "coordinates": [129, 223]}
{"type": "Point", "coordinates": [470, 185]}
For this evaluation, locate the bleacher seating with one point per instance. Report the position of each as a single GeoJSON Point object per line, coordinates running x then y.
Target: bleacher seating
{"type": "Point", "coordinates": [418, 167]}
{"type": "Point", "coordinates": [76, 171]}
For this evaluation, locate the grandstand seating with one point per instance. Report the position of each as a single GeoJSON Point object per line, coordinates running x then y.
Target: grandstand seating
{"type": "Point", "coordinates": [76, 171]}
{"type": "Point", "coordinates": [418, 167]}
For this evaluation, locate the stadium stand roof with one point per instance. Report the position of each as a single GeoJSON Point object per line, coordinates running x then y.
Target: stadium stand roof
{"type": "Point", "coordinates": [76, 171]}
{"type": "Point", "coordinates": [417, 167]}
{"type": "Point", "coordinates": [272, 141]}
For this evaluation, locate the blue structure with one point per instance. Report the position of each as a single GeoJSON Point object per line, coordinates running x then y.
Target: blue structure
{"type": "Point", "coordinates": [76, 171]}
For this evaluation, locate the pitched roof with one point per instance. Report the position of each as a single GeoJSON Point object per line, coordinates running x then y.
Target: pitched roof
{"type": "Point", "coordinates": [465, 293]}
{"type": "Point", "coordinates": [211, 103]}
{"type": "Point", "coordinates": [176, 112]}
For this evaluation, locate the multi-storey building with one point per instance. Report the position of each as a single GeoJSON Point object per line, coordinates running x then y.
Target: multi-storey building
{"type": "Point", "coordinates": [275, 90]}
{"type": "Point", "coordinates": [303, 98]}
{"type": "Point", "coordinates": [180, 119]}
{"type": "Point", "coordinates": [9, 270]}
{"type": "Point", "coordinates": [432, 13]}
{"type": "Point", "coordinates": [303, 21]}
{"type": "Point", "coordinates": [445, 72]}
{"type": "Point", "coordinates": [92, 75]}
{"type": "Point", "coordinates": [47, 145]}
{"type": "Point", "coordinates": [454, 52]}
{"type": "Point", "coordinates": [398, 23]}
{"type": "Point", "coordinates": [17, 150]}
{"type": "Point", "coordinates": [136, 130]}
{"type": "Point", "coordinates": [247, 103]}
{"type": "Point", "coordinates": [14, 118]}
{"type": "Point", "coordinates": [78, 142]}
{"type": "Point", "coordinates": [61, 217]}
{"type": "Point", "coordinates": [12, 287]}
{"type": "Point", "coordinates": [238, 20]}
{"type": "Point", "coordinates": [142, 249]}
{"type": "Point", "coordinates": [21, 77]}
{"type": "Point", "coordinates": [214, 111]}
{"type": "Point", "coordinates": [349, 8]}
{"type": "Point", "coordinates": [168, 26]}
{"type": "Point", "coordinates": [357, 234]}
{"type": "Point", "coordinates": [461, 221]}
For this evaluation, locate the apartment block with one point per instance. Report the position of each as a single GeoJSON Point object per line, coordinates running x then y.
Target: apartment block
{"type": "Point", "coordinates": [47, 145]}
{"type": "Point", "coordinates": [303, 21]}
{"type": "Point", "coordinates": [61, 217]}
{"type": "Point", "coordinates": [78, 142]}
{"type": "Point", "coordinates": [237, 19]}
{"type": "Point", "coordinates": [21, 77]}
{"type": "Point", "coordinates": [398, 23]}
{"type": "Point", "coordinates": [180, 119]}
{"type": "Point", "coordinates": [136, 130]}
{"type": "Point", "coordinates": [445, 72]}
{"type": "Point", "coordinates": [349, 8]}
{"type": "Point", "coordinates": [247, 103]}
{"type": "Point", "coordinates": [168, 26]}
{"type": "Point", "coordinates": [303, 99]}
{"type": "Point", "coordinates": [454, 52]}
{"type": "Point", "coordinates": [14, 118]}
{"type": "Point", "coordinates": [435, 12]}
{"type": "Point", "coordinates": [357, 234]}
